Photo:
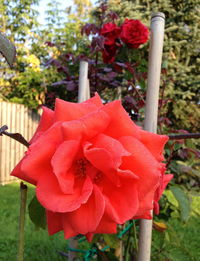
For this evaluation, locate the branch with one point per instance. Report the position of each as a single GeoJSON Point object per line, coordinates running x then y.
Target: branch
{"type": "Point", "coordinates": [184, 136]}
{"type": "Point", "coordinates": [16, 136]}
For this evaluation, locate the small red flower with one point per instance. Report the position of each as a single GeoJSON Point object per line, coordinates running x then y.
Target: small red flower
{"type": "Point", "coordinates": [111, 32]}
{"type": "Point", "coordinates": [134, 33]}
{"type": "Point", "coordinates": [93, 168]}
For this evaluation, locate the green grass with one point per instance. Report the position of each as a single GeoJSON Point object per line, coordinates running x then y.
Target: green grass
{"type": "Point", "coordinates": [38, 245]}
{"type": "Point", "coordinates": [179, 243]}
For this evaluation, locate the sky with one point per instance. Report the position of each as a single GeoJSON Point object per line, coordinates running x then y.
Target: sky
{"type": "Point", "coordinates": [43, 7]}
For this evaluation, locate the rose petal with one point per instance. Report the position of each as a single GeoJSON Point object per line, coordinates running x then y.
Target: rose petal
{"type": "Point", "coordinates": [45, 123]}
{"type": "Point", "coordinates": [17, 172]}
{"type": "Point", "coordinates": [146, 167]}
{"type": "Point", "coordinates": [66, 111]}
{"type": "Point", "coordinates": [54, 222]}
{"type": "Point", "coordinates": [146, 204]}
{"type": "Point", "coordinates": [94, 123]}
{"type": "Point", "coordinates": [105, 154]}
{"type": "Point", "coordinates": [122, 202]}
{"type": "Point", "coordinates": [62, 162]}
{"type": "Point", "coordinates": [87, 217]}
{"type": "Point", "coordinates": [96, 100]}
{"type": "Point", "coordinates": [143, 164]}
{"type": "Point", "coordinates": [37, 160]}
{"type": "Point", "coordinates": [107, 145]}
{"type": "Point", "coordinates": [154, 142]}
{"type": "Point", "coordinates": [106, 225]}
{"type": "Point", "coordinates": [88, 126]}
{"type": "Point", "coordinates": [52, 198]}
{"type": "Point", "coordinates": [165, 179]}
{"type": "Point", "coordinates": [120, 122]}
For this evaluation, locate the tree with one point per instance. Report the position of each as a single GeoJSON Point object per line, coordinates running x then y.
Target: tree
{"type": "Point", "coordinates": [24, 83]}
{"type": "Point", "coordinates": [180, 79]}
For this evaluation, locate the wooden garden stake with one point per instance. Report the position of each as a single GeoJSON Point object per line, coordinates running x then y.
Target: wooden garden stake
{"type": "Point", "coordinates": [83, 94]}
{"type": "Point", "coordinates": [83, 86]}
{"type": "Point", "coordinates": [151, 112]}
{"type": "Point", "coordinates": [23, 198]}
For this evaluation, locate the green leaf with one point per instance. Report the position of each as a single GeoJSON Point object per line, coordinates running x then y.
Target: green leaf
{"type": "Point", "coordinates": [183, 201]}
{"type": "Point", "coordinates": [37, 213]}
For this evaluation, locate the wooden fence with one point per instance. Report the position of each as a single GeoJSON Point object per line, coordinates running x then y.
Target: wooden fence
{"type": "Point", "coordinates": [19, 119]}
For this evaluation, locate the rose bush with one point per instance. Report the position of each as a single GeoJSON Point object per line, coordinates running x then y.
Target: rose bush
{"type": "Point", "coordinates": [93, 167]}
{"type": "Point", "coordinates": [134, 33]}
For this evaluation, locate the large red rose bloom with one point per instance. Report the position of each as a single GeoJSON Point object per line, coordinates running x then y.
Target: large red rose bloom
{"type": "Point", "coordinates": [93, 168]}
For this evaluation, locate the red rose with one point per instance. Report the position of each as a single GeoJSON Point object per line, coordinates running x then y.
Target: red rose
{"type": "Point", "coordinates": [92, 166]}
{"type": "Point", "coordinates": [109, 53]}
{"type": "Point", "coordinates": [134, 33]}
{"type": "Point", "coordinates": [111, 32]}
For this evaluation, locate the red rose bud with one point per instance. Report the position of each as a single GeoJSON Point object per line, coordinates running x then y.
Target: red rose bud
{"type": "Point", "coordinates": [134, 33]}
{"type": "Point", "coordinates": [111, 32]}
{"type": "Point", "coordinates": [93, 168]}
{"type": "Point", "coordinates": [109, 53]}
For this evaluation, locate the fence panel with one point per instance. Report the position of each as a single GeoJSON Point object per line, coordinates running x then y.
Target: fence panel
{"type": "Point", "coordinates": [19, 119]}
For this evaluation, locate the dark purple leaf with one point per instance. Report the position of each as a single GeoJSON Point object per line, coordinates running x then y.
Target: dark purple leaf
{"type": "Point", "coordinates": [89, 29]}
{"type": "Point", "coordinates": [97, 43]}
{"type": "Point", "coordinates": [71, 86]}
{"type": "Point", "coordinates": [113, 16]}
{"type": "Point", "coordinates": [50, 44]}
{"type": "Point", "coordinates": [50, 61]}
{"type": "Point", "coordinates": [106, 69]}
{"type": "Point", "coordinates": [63, 82]}
{"type": "Point", "coordinates": [111, 75]}
{"type": "Point", "coordinates": [103, 7]}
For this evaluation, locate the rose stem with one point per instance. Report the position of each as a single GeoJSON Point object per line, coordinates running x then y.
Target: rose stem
{"type": "Point", "coordinates": [23, 198]}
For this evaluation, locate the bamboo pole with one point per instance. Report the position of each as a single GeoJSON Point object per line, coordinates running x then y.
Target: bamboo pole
{"type": "Point", "coordinates": [83, 94]}
{"type": "Point", "coordinates": [151, 112]}
{"type": "Point", "coordinates": [83, 87]}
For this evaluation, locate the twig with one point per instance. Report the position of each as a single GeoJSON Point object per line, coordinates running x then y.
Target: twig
{"type": "Point", "coordinates": [16, 136]}
{"type": "Point", "coordinates": [184, 136]}
{"type": "Point", "coordinates": [2, 129]}
{"type": "Point", "coordinates": [23, 198]}
{"type": "Point", "coordinates": [138, 93]}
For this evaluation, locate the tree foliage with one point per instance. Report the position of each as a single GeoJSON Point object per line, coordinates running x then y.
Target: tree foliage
{"type": "Point", "coordinates": [24, 83]}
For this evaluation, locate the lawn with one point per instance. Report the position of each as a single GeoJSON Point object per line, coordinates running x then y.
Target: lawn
{"type": "Point", "coordinates": [179, 243]}
{"type": "Point", "coordinates": [38, 245]}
